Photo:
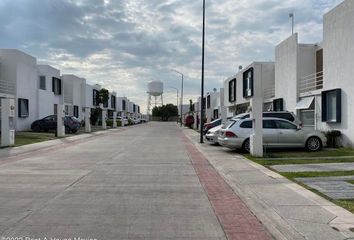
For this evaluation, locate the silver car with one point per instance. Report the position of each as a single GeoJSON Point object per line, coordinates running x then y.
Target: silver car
{"type": "Point", "coordinates": [212, 135]}
{"type": "Point", "coordinates": [277, 133]}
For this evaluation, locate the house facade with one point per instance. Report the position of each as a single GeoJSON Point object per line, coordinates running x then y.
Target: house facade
{"type": "Point", "coordinates": [50, 91]}
{"type": "Point", "coordinates": [19, 80]}
{"type": "Point", "coordinates": [239, 88]}
{"type": "Point", "coordinates": [315, 81]}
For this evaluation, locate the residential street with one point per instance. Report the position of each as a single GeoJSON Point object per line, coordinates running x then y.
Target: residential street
{"type": "Point", "coordinates": [136, 183]}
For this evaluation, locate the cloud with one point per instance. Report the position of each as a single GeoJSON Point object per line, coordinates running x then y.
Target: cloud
{"type": "Point", "coordinates": [124, 44]}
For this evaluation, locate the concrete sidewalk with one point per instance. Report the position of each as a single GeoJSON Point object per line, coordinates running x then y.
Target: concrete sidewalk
{"type": "Point", "coordinates": [11, 152]}
{"type": "Point", "coordinates": [287, 210]}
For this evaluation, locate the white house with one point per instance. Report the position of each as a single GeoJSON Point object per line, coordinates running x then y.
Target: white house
{"type": "Point", "coordinates": [316, 80]}
{"type": "Point", "coordinates": [19, 79]}
{"type": "Point", "coordinates": [122, 106]}
{"type": "Point", "coordinates": [212, 108]}
{"type": "Point", "coordinates": [74, 95]}
{"type": "Point", "coordinates": [239, 88]}
{"type": "Point", "coordinates": [49, 90]}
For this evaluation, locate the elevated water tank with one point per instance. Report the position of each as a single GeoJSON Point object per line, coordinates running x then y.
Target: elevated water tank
{"type": "Point", "coordinates": [155, 88]}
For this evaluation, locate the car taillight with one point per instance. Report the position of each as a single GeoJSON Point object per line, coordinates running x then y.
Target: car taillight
{"type": "Point", "coordinates": [230, 134]}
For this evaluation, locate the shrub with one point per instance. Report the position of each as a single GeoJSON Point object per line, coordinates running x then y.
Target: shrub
{"type": "Point", "coordinates": [332, 138]}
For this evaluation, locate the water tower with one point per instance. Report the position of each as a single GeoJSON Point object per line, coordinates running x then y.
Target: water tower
{"type": "Point", "coordinates": [155, 89]}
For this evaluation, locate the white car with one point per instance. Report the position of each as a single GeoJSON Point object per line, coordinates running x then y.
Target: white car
{"type": "Point", "coordinates": [277, 133]}
{"type": "Point", "coordinates": [125, 120]}
{"type": "Point", "coordinates": [212, 135]}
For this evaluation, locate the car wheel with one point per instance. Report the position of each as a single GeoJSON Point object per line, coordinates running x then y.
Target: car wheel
{"type": "Point", "coordinates": [246, 145]}
{"type": "Point", "coordinates": [313, 144]}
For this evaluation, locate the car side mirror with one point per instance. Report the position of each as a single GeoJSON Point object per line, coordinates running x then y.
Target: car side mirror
{"type": "Point", "coordinates": [298, 128]}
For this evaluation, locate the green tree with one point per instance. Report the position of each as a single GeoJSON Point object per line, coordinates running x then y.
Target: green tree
{"type": "Point", "coordinates": [103, 96]}
{"type": "Point", "coordinates": [191, 107]}
{"type": "Point", "coordinates": [165, 112]}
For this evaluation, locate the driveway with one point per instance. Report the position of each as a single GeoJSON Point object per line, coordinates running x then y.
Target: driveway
{"type": "Point", "coordinates": [139, 183]}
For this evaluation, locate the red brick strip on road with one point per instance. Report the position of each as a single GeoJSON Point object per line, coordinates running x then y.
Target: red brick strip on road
{"type": "Point", "coordinates": [236, 219]}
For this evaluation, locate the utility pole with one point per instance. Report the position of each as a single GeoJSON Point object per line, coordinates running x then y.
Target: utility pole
{"type": "Point", "coordinates": [202, 81]}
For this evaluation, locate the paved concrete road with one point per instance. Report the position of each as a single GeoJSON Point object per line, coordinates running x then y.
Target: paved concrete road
{"type": "Point", "coordinates": [132, 184]}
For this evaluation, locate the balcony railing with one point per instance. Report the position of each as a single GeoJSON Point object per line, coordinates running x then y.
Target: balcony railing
{"type": "Point", "coordinates": [7, 87]}
{"type": "Point", "coordinates": [269, 92]}
{"type": "Point", "coordinates": [311, 82]}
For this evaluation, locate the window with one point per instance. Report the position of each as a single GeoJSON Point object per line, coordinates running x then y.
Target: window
{"type": "Point", "coordinates": [332, 106]}
{"type": "Point", "coordinates": [307, 116]}
{"type": "Point", "coordinates": [55, 109]}
{"type": "Point", "coordinates": [278, 104]}
{"type": "Point", "coordinates": [285, 125]}
{"type": "Point", "coordinates": [232, 90]}
{"type": "Point", "coordinates": [94, 97]}
{"type": "Point", "coordinates": [208, 101]}
{"type": "Point", "coordinates": [269, 124]}
{"type": "Point", "coordinates": [42, 83]}
{"type": "Point", "coordinates": [246, 124]}
{"type": "Point", "coordinates": [66, 110]}
{"type": "Point", "coordinates": [56, 86]}
{"type": "Point", "coordinates": [113, 102]}
{"type": "Point", "coordinates": [139, 109]}
{"type": "Point", "coordinates": [216, 114]}
{"type": "Point", "coordinates": [76, 111]}
{"type": "Point", "coordinates": [123, 105]}
{"type": "Point", "coordinates": [23, 108]}
{"type": "Point", "coordinates": [134, 108]}
{"type": "Point", "coordinates": [248, 83]}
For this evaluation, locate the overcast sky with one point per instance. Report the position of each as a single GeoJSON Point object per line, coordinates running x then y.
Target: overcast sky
{"type": "Point", "coordinates": [123, 44]}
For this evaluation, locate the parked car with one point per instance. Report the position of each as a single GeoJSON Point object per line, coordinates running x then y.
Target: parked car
{"type": "Point", "coordinates": [212, 134]}
{"type": "Point", "coordinates": [277, 133]}
{"type": "Point", "coordinates": [212, 124]}
{"type": "Point", "coordinates": [274, 114]}
{"type": "Point", "coordinates": [125, 120]}
{"type": "Point", "coordinates": [136, 120]}
{"type": "Point", "coordinates": [49, 123]}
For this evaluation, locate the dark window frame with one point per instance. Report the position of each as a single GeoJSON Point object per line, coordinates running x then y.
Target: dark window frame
{"type": "Point", "coordinates": [95, 97]}
{"type": "Point", "coordinates": [232, 90]}
{"type": "Point", "coordinates": [22, 101]}
{"type": "Point", "coordinates": [76, 111]}
{"type": "Point", "coordinates": [251, 87]}
{"type": "Point", "coordinates": [208, 101]}
{"type": "Point", "coordinates": [56, 86]}
{"type": "Point", "coordinates": [124, 105]}
{"type": "Point", "coordinates": [113, 102]}
{"type": "Point", "coordinates": [278, 105]}
{"type": "Point", "coordinates": [42, 82]}
{"type": "Point", "coordinates": [324, 104]}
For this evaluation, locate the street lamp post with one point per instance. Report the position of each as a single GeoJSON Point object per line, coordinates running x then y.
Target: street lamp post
{"type": "Point", "coordinates": [291, 15]}
{"type": "Point", "coordinates": [202, 80]}
{"type": "Point", "coordinates": [177, 98]}
{"type": "Point", "coordinates": [181, 102]}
